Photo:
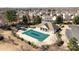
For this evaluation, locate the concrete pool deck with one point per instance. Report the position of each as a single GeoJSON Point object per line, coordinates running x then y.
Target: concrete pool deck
{"type": "Point", "coordinates": [51, 39]}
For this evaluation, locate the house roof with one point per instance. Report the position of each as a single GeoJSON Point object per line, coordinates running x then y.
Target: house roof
{"type": "Point", "coordinates": [51, 26]}
{"type": "Point", "coordinates": [43, 26]}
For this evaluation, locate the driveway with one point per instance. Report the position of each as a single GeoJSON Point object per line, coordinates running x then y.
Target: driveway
{"type": "Point", "coordinates": [73, 31]}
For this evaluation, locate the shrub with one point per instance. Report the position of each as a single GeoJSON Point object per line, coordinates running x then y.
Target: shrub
{"type": "Point", "coordinates": [11, 15]}
{"type": "Point", "coordinates": [59, 43]}
{"type": "Point", "coordinates": [59, 20]}
{"type": "Point", "coordinates": [1, 37]}
{"type": "Point", "coordinates": [76, 20]}
{"type": "Point", "coordinates": [45, 47]}
{"type": "Point", "coordinates": [62, 26]}
{"type": "Point", "coordinates": [30, 43]}
{"type": "Point", "coordinates": [73, 45]}
{"type": "Point", "coordinates": [22, 39]}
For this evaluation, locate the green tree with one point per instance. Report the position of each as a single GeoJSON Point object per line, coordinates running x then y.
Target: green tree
{"type": "Point", "coordinates": [11, 15]}
{"type": "Point", "coordinates": [49, 10]}
{"type": "Point", "coordinates": [59, 20]}
{"type": "Point", "coordinates": [45, 47]}
{"type": "Point", "coordinates": [59, 42]}
{"type": "Point", "coordinates": [39, 19]}
{"type": "Point", "coordinates": [73, 45]}
{"type": "Point", "coordinates": [76, 20]}
{"type": "Point", "coordinates": [36, 19]}
{"type": "Point", "coordinates": [25, 20]}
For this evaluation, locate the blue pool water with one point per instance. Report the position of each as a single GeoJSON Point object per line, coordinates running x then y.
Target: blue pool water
{"type": "Point", "coordinates": [37, 35]}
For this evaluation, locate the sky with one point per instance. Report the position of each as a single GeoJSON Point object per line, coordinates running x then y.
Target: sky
{"type": "Point", "coordinates": [39, 3]}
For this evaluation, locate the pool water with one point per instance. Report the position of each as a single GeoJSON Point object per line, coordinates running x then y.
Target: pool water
{"type": "Point", "coordinates": [35, 34]}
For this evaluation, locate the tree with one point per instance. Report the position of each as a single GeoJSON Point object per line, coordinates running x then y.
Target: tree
{"type": "Point", "coordinates": [1, 37]}
{"type": "Point", "coordinates": [25, 20]}
{"type": "Point", "coordinates": [76, 20]}
{"type": "Point", "coordinates": [73, 45]}
{"type": "Point", "coordinates": [39, 19]}
{"type": "Point", "coordinates": [11, 15]}
{"type": "Point", "coordinates": [49, 10]}
{"type": "Point", "coordinates": [59, 20]}
{"type": "Point", "coordinates": [45, 47]}
{"type": "Point", "coordinates": [53, 10]}
{"type": "Point", "coordinates": [36, 19]}
{"type": "Point", "coordinates": [59, 42]}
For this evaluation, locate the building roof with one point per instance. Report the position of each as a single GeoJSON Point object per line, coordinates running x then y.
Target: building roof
{"type": "Point", "coordinates": [50, 26]}
{"type": "Point", "coordinates": [43, 26]}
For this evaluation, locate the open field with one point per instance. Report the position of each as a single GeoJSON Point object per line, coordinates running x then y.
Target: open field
{"type": "Point", "coordinates": [11, 43]}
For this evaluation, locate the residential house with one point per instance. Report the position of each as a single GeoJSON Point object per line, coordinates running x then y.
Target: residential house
{"type": "Point", "coordinates": [47, 18]}
{"type": "Point", "coordinates": [49, 27]}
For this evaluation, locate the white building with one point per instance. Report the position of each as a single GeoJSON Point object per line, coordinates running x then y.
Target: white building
{"type": "Point", "coordinates": [47, 18]}
{"type": "Point", "coordinates": [20, 14]}
{"type": "Point", "coordinates": [50, 27]}
{"type": "Point", "coordinates": [66, 16]}
{"type": "Point", "coordinates": [72, 16]}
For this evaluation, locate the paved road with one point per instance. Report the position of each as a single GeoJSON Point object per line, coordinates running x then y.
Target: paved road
{"type": "Point", "coordinates": [73, 32]}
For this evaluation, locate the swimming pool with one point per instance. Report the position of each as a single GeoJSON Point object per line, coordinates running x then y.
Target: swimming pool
{"type": "Point", "coordinates": [35, 34]}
